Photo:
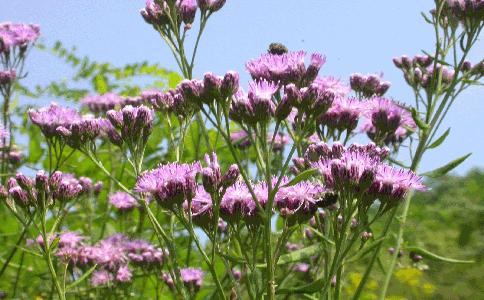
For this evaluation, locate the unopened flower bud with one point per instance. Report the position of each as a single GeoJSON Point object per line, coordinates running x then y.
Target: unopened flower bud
{"type": "Point", "coordinates": [415, 257]}
{"type": "Point", "coordinates": [406, 62]}
{"type": "Point", "coordinates": [230, 84]}
{"type": "Point", "coordinates": [293, 94]}
{"type": "Point", "coordinates": [366, 236]}
{"type": "Point", "coordinates": [98, 187]}
{"type": "Point", "coordinates": [115, 118]}
{"type": "Point", "coordinates": [24, 182]}
{"type": "Point", "coordinates": [398, 62]}
{"type": "Point", "coordinates": [41, 180]}
{"type": "Point", "coordinates": [11, 183]}
{"type": "Point", "coordinates": [231, 176]}
{"type": "Point", "coordinates": [283, 109]}
{"type": "Point", "coordinates": [209, 181]}
{"type": "Point", "coordinates": [86, 184]}
{"type": "Point", "coordinates": [55, 180]}
{"type": "Point", "coordinates": [466, 66]}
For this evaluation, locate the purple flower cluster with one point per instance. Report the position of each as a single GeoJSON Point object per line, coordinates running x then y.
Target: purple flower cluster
{"type": "Point", "coordinates": [369, 85]}
{"type": "Point", "coordinates": [134, 123]}
{"type": "Point", "coordinates": [17, 35]}
{"type": "Point", "coordinates": [40, 192]}
{"type": "Point", "coordinates": [80, 133]}
{"type": "Point", "coordinates": [419, 72]}
{"type": "Point", "coordinates": [191, 277]}
{"type": "Point", "coordinates": [358, 170]}
{"type": "Point", "coordinates": [4, 134]}
{"type": "Point", "coordinates": [53, 116]}
{"type": "Point", "coordinates": [285, 68]}
{"type": "Point", "coordinates": [242, 144]}
{"type": "Point", "coordinates": [14, 157]}
{"type": "Point", "coordinates": [466, 11]}
{"type": "Point", "coordinates": [113, 256]}
{"type": "Point", "coordinates": [103, 103]}
{"type": "Point", "coordinates": [343, 115]}
{"type": "Point", "coordinates": [170, 184]}
{"type": "Point", "coordinates": [186, 10]}
{"type": "Point", "coordinates": [333, 85]}
{"type": "Point", "coordinates": [190, 95]}
{"type": "Point", "coordinates": [256, 105]}
{"type": "Point", "coordinates": [385, 121]}
{"type": "Point", "coordinates": [123, 202]}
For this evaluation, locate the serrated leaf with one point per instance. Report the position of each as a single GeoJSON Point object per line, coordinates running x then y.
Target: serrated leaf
{"type": "Point", "coordinates": [301, 176]}
{"type": "Point", "coordinates": [81, 279]}
{"type": "Point", "coordinates": [440, 140]}
{"type": "Point", "coordinates": [295, 256]}
{"type": "Point", "coordinates": [420, 123]}
{"type": "Point", "coordinates": [445, 169]}
{"type": "Point", "coordinates": [432, 256]}
{"type": "Point", "coordinates": [367, 249]}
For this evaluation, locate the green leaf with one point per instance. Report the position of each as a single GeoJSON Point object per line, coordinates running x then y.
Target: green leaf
{"type": "Point", "coordinates": [426, 18]}
{"type": "Point", "coordinates": [445, 169]}
{"type": "Point", "coordinates": [100, 84]}
{"type": "Point", "coordinates": [81, 279]}
{"type": "Point", "coordinates": [295, 256]}
{"type": "Point", "coordinates": [440, 140]}
{"type": "Point", "coordinates": [367, 249]}
{"type": "Point", "coordinates": [320, 235]}
{"type": "Point", "coordinates": [54, 243]}
{"type": "Point", "coordinates": [438, 60]}
{"type": "Point", "coordinates": [236, 260]}
{"type": "Point", "coordinates": [301, 176]}
{"type": "Point", "coordinates": [420, 123]}
{"type": "Point", "coordinates": [398, 163]}
{"type": "Point", "coordinates": [431, 256]}
{"type": "Point", "coordinates": [14, 103]}
{"type": "Point", "coordinates": [308, 288]}
{"type": "Point", "coordinates": [28, 251]}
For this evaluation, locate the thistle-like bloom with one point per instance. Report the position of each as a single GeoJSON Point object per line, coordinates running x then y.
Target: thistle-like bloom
{"type": "Point", "coordinates": [7, 77]}
{"type": "Point", "coordinates": [369, 85]}
{"type": "Point", "coordinates": [332, 84]}
{"type": "Point", "coordinates": [187, 10]}
{"type": "Point", "coordinates": [170, 184]}
{"type": "Point", "coordinates": [235, 203]}
{"type": "Point", "coordinates": [344, 115]}
{"type": "Point", "coordinates": [80, 133]}
{"type": "Point", "coordinates": [201, 208]}
{"type": "Point", "coordinates": [103, 103]}
{"type": "Point", "coordinates": [386, 120]}
{"type": "Point", "coordinates": [260, 95]}
{"type": "Point", "coordinates": [155, 15]}
{"type": "Point", "coordinates": [284, 69]}
{"type": "Point", "coordinates": [297, 203]}
{"type": "Point", "coordinates": [123, 202]}
{"type": "Point", "coordinates": [102, 278]}
{"type": "Point", "coordinates": [53, 116]}
{"type": "Point", "coordinates": [17, 35]}
{"type": "Point", "coordinates": [191, 277]}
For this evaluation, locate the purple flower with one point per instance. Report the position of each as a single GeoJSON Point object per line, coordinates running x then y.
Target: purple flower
{"type": "Point", "coordinates": [211, 5]}
{"type": "Point", "coordinates": [70, 239]}
{"type": "Point", "coordinates": [297, 203]}
{"type": "Point", "coordinates": [242, 143]}
{"type": "Point", "coordinates": [135, 124]}
{"type": "Point", "coordinates": [102, 278]}
{"type": "Point", "coordinates": [212, 175]}
{"type": "Point", "coordinates": [154, 14]}
{"type": "Point", "coordinates": [81, 133]}
{"type": "Point", "coordinates": [369, 85]}
{"type": "Point", "coordinates": [102, 103]}
{"type": "Point", "coordinates": [191, 277]}
{"type": "Point", "coordinates": [187, 10]}
{"type": "Point", "coordinates": [123, 202]}
{"type": "Point", "coordinates": [7, 77]}
{"type": "Point", "coordinates": [17, 35]}
{"type": "Point", "coordinates": [292, 247]}
{"type": "Point", "coordinates": [201, 208]}
{"type": "Point", "coordinates": [49, 118]}
{"type": "Point", "coordinates": [170, 184]}
{"type": "Point", "coordinates": [124, 274]}
{"type": "Point", "coordinates": [301, 268]}
{"type": "Point", "coordinates": [237, 274]}
{"type": "Point", "coordinates": [331, 84]}
{"type": "Point", "coordinates": [234, 203]}
{"type": "Point", "coordinates": [279, 141]}
{"type": "Point", "coordinates": [344, 115]}
{"type": "Point", "coordinates": [284, 69]}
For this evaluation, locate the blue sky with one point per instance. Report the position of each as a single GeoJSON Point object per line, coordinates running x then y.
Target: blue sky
{"type": "Point", "coordinates": [356, 36]}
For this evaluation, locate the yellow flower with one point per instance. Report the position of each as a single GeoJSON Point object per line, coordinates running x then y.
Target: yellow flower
{"type": "Point", "coordinates": [428, 288]}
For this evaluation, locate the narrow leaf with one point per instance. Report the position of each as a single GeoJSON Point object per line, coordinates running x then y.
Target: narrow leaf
{"type": "Point", "coordinates": [295, 256]}
{"type": "Point", "coordinates": [28, 251]}
{"type": "Point", "coordinates": [301, 176]}
{"type": "Point", "coordinates": [236, 260]}
{"type": "Point", "coordinates": [54, 243]}
{"type": "Point", "coordinates": [420, 123]}
{"type": "Point", "coordinates": [445, 169]}
{"type": "Point", "coordinates": [431, 256]}
{"type": "Point", "coordinates": [308, 288]}
{"type": "Point", "coordinates": [81, 279]}
{"type": "Point", "coordinates": [321, 235]}
{"type": "Point", "coordinates": [426, 18]}
{"type": "Point", "coordinates": [440, 140]}
{"type": "Point", "coordinates": [398, 163]}
{"type": "Point", "coordinates": [367, 249]}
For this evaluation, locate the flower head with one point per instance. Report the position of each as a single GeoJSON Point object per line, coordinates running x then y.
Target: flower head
{"type": "Point", "coordinates": [123, 202]}
{"type": "Point", "coordinates": [53, 116]}
{"type": "Point", "coordinates": [170, 184]}
{"type": "Point", "coordinates": [191, 277]}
